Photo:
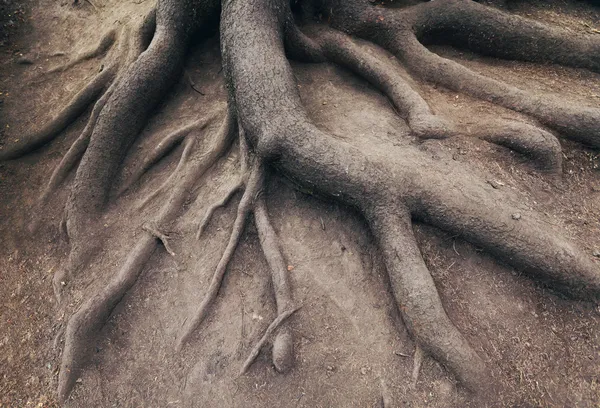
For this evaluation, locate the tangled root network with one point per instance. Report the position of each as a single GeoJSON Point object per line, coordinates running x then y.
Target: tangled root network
{"type": "Point", "coordinates": [265, 121]}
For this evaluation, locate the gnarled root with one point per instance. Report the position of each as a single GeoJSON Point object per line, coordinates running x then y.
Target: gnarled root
{"type": "Point", "coordinates": [253, 184]}
{"type": "Point", "coordinates": [389, 186]}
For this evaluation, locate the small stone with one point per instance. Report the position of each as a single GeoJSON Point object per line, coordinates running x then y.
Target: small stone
{"type": "Point", "coordinates": [79, 381]}
{"type": "Point", "coordinates": [516, 216]}
{"type": "Point", "coordinates": [63, 283]}
{"type": "Point", "coordinates": [596, 253]}
{"type": "Point", "coordinates": [330, 368]}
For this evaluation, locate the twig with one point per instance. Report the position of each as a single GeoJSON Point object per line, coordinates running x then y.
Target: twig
{"type": "Point", "coordinates": [268, 333]}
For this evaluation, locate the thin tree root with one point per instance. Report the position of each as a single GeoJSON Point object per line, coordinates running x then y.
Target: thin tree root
{"type": "Point", "coordinates": [166, 145]}
{"type": "Point", "coordinates": [84, 325]}
{"type": "Point", "coordinates": [417, 363]}
{"type": "Point", "coordinates": [107, 40]}
{"type": "Point", "coordinates": [187, 149]}
{"type": "Point", "coordinates": [159, 235]}
{"type": "Point", "coordinates": [75, 151]}
{"type": "Point", "coordinates": [254, 183]}
{"type": "Point", "coordinates": [74, 108]}
{"type": "Point", "coordinates": [239, 185]}
{"type": "Point", "coordinates": [283, 345]}
{"type": "Point", "coordinates": [341, 49]}
{"type": "Point", "coordinates": [280, 319]}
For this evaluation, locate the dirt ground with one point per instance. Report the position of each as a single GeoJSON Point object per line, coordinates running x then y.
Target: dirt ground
{"type": "Point", "coordinates": [352, 349]}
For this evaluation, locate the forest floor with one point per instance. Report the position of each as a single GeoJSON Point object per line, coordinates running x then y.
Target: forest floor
{"type": "Point", "coordinates": [352, 349]}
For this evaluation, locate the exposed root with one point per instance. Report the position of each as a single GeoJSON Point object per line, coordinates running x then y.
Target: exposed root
{"type": "Point", "coordinates": [75, 151]}
{"type": "Point", "coordinates": [419, 301]}
{"type": "Point", "coordinates": [83, 327]}
{"type": "Point", "coordinates": [159, 235]}
{"type": "Point", "coordinates": [102, 47]}
{"type": "Point", "coordinates": [417, 362]}
{"type": "Point", "coordinates": [341, 49]}
{"type": "Point", "coordinates": [189, 142]}
{"type": "Point", "coordinates": [263, 340]}
{"type": "Point", "coordinates": [254, 183]}
{"type": "Point", "coordinates": [541, 146]}
{"type": "Point", "coordinates": [74, 108]}
{"type": "Point", "coordinates": [239, 185]}
{"type": "Point", "coordinates": [576, 122]}
{"type": "Point", "coordinates": [85, 324]}
{"type": "Point", "coordinates": [283, 345]}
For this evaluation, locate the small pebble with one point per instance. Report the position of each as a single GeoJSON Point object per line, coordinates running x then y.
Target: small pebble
{"type": "Point", "coordinates": [516, 216]}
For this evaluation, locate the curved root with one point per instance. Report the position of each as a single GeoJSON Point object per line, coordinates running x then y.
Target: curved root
{"type": "Point", "coordinates": [283, 345]}
{"type": "Point", "coordinates": [74, 108]}
{"type": "Point", "coordinates": [102, 47]}
{"type": "Point", "coordinates": [239, 185]}
{"type": "Point", "coordinates": [254, 183]}
{"type": "Point", "coordinates": [279, 320]}
{"type": "Point", "coordinates": [84, 326]}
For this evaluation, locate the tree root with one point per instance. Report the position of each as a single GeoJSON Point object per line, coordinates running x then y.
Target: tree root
{"type": "Point", "coordinates": [253, 184]}
{"type": "Point", "coordinates": [85, 324]}
{"type": "Point", "coordinates": [102, 47]}
{"type": "Point", "coordinates": [189, 141]}
{"type": "Point", "coordinates": [279, 320]}
{"type": "Point", "coordinates": [159, 235]}
{"type": "Point", "coordinates": [417, 363]}
{"type": "Point", "coordinates": [166, 145]}
{"type": "Point", "coordinates": [389, 186]}
{"type": "Point", "coordinates": [74, 108]}
{"type": "Point", "coordinates": [528, 140]}
{"type": "Point", "coordinates": [283, 345]}
{"type": "Point", "coordinates": [239, 185]}
{"type": "Point", "coordinates": [341, 49]}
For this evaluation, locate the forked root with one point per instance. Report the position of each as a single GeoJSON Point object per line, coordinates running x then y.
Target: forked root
{"type": "Point", "coordinates": [239, 185]}
{"type": "Point", "coordinates": [189, 140]}
{"type": "Point", "coordinates": [279, 320]}
{"type": "Point", "coordinates": [254, 183]}
{"type": "Point", "coordinates": [83, 327]}
{"type": "Point", "coordinates": [163, 148]}
{"type": "Point", "coordinates": [283, 345]}
{"type": "Point", "coordinates": [102, 47]}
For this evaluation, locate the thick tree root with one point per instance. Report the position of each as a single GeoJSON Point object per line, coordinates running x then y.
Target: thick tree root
{"type": "Point", "coordinates": [253, 185]}
{"type": "Point", "coordinates": [85, 324]}
{"type": "Point", "coordinates": [542, 147]}
{"type": "Point", "coordinates": [485, 30]}
{"type": "Point", "coordinates": [389, 186]}
{"type": "Point", "coordinates": [341, 49]}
